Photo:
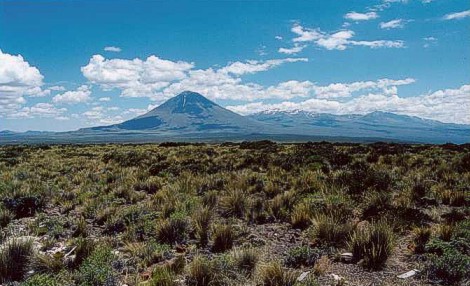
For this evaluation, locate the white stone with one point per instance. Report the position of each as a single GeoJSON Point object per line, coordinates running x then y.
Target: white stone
{"type": "Point", "coordinates": [408, 274]}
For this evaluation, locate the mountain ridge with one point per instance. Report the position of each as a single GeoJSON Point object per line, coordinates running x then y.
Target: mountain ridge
{"type": "Point", "coordinates": [191, 116]}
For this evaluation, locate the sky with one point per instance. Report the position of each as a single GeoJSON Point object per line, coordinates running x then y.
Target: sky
{"type": "Point", "coordinates": [70, 64]}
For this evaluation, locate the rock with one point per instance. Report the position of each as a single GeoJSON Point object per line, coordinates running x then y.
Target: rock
{"type": "Point", "coordinates": [338, 279]}
{"type": "Point", "coordinates": [346, 257]}
{"type": "Point", "coordinates": [303, 276]}
{"type": "Point", "coordinates": [408, 274]}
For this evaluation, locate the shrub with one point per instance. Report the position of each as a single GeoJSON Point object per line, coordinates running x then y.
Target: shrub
{"type": "Point", "coordinates": [81, 228]}
{"type": "Point", "coordinates": [83, 249]}
{"type": "Point", "coordinates": [450, 268]}
{"type": "Point", "coordinates": [223, 238]}
{"type": "Point", "coordinates": [233, 204]}
{"type": "Point", "coordinates": [200, 272]}
{"type": "Point", "coordinates": [97, 268]}
{"type": "Point", "coordinates": [42, 263]}
{"type": "Point", "coordinates": [301, 256]}
{"type": "Point", "coordinates": [445, 231]}
{"type": "Point", "coordinates": [322, 265]}
{"type": "Point", "coordinates": [15, 256]}
{"type": "Point", "coordinates": [301, 216]}
{"type": "Point", "coordinates": [246, 260]}
{"type": "Point", "coordinates": [42, 280]}
{"type": "Point", "coordinates": [373, 244]}
{"type": "Point", "coordinates": [6, 216]}
{"type": "Point", "coordinates": [202, 221]}
{"type": "Point", "coordinates": [421, 237]}
{"type": "Point", "coordinates": [273, 274]}
{"type": "Point", "coordinates": [24, 204]}
{"type": "Point", "coordinates": [173, 230]}
{"type": "Point", "coordinates": [162, 276]}
{"type": "Point", "coordinates": [209, 199]}
{"type": "Point", "coordinates": [329, 230]}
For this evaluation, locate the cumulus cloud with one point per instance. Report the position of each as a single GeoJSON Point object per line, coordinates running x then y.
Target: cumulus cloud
{"type": "Point", "coordinates": [135, 78]}
{"type": "Point", "coordinates": [161, 79]}
{"type": "Point", "coordinates": [336, 41]}
{"type": "Point", "coordinates": [354, 16]}
{"type": "Point", "coordinates": [112, 49]}
{"type": "Point", "coordinates": [80, 95]}
{"type": "Point", "coordinates": [41, 110]}
{"type": "Point", "coordinates": [457, 15]}
{"type": "Point", "coordinates": [393, 24]}
{"type": "Point", "coordinates": [17, 80]}
{"type": "Point", "coordinates": [449, 105]}
{"type": "Point", "coordinates": [340, 40]}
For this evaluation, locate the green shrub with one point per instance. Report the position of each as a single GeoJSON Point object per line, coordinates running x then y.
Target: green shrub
{"type": "Point", "coordinates": [15, 256]}
{"type": "Point", "coordinates": [301, 256]}
{"type": "Point", "coordinates": [83, 248]}
{"type": "Point", "coordinates": [46, 280]}
{"type": "Point", "coordinates": [42, 263]}
{"type": "Point", "coordinates": [373, 244]}
{"type": "Point", "coordinates": [97, 268]}
{"type": "Point", "coordinates": [450, 268]}
{"type": "Point", "coordinates": [162, 276]}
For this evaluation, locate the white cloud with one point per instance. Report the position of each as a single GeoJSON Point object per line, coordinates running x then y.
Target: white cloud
{"type": "Point", "coordinates": [449, 105]}
{"type": "Point", "coordinates": [112, 49]}
{"type": "Point", "coordinates": [135, 78]}
{"type": "Point", "coordinates": [393, 24]}
{"type": "Point", "coordinates": [82, 94]}
{"type": "Point", "coordinates": [278, 37]}
{"type": "Point", "coordinates": [39, 110]}
{"type": "Point", "coordinates": [165, 78]}
{"type": "Point", "coordinates": [17, 79]}
{"type": "Point", "coordinates": [305, 34]}
{"type": "Point", "coordinates": [379, 44]}
{"type": "Point", "coordinates": [251, 67]}
{"type": "Point", "coordinates": [104, 99]}
{"type": "Point", "coordinates": [354, 16]}
{"type": "Point", "coordinates": [457, 15]}
{"type": "Point", "coordinates": [292, 51]}
{"type": "Point", "coordinates": [335, 41]}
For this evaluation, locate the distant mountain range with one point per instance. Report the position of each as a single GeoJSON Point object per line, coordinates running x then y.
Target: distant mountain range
{"type": "Point", "coordinates": [190, 116]}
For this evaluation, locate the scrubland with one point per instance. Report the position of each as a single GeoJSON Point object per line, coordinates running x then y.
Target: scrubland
{"type": "Point", "coordinates": [251, 213]}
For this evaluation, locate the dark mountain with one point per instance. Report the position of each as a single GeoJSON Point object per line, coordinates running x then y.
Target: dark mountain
{"type": "Point", "coordinates": [188, 112]}
{"type": "Point", "coordinates": [376, 125]}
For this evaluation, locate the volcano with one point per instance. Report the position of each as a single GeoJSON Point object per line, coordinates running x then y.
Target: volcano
{"type": "Point", "coordinates": [189, 112]}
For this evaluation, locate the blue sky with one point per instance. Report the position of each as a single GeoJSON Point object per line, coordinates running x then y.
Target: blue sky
{"type": "Point", "coordinates": [71, 64]}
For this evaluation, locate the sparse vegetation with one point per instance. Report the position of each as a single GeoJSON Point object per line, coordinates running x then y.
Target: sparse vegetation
{"type": "Point", "coordinates": [256, 213]}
